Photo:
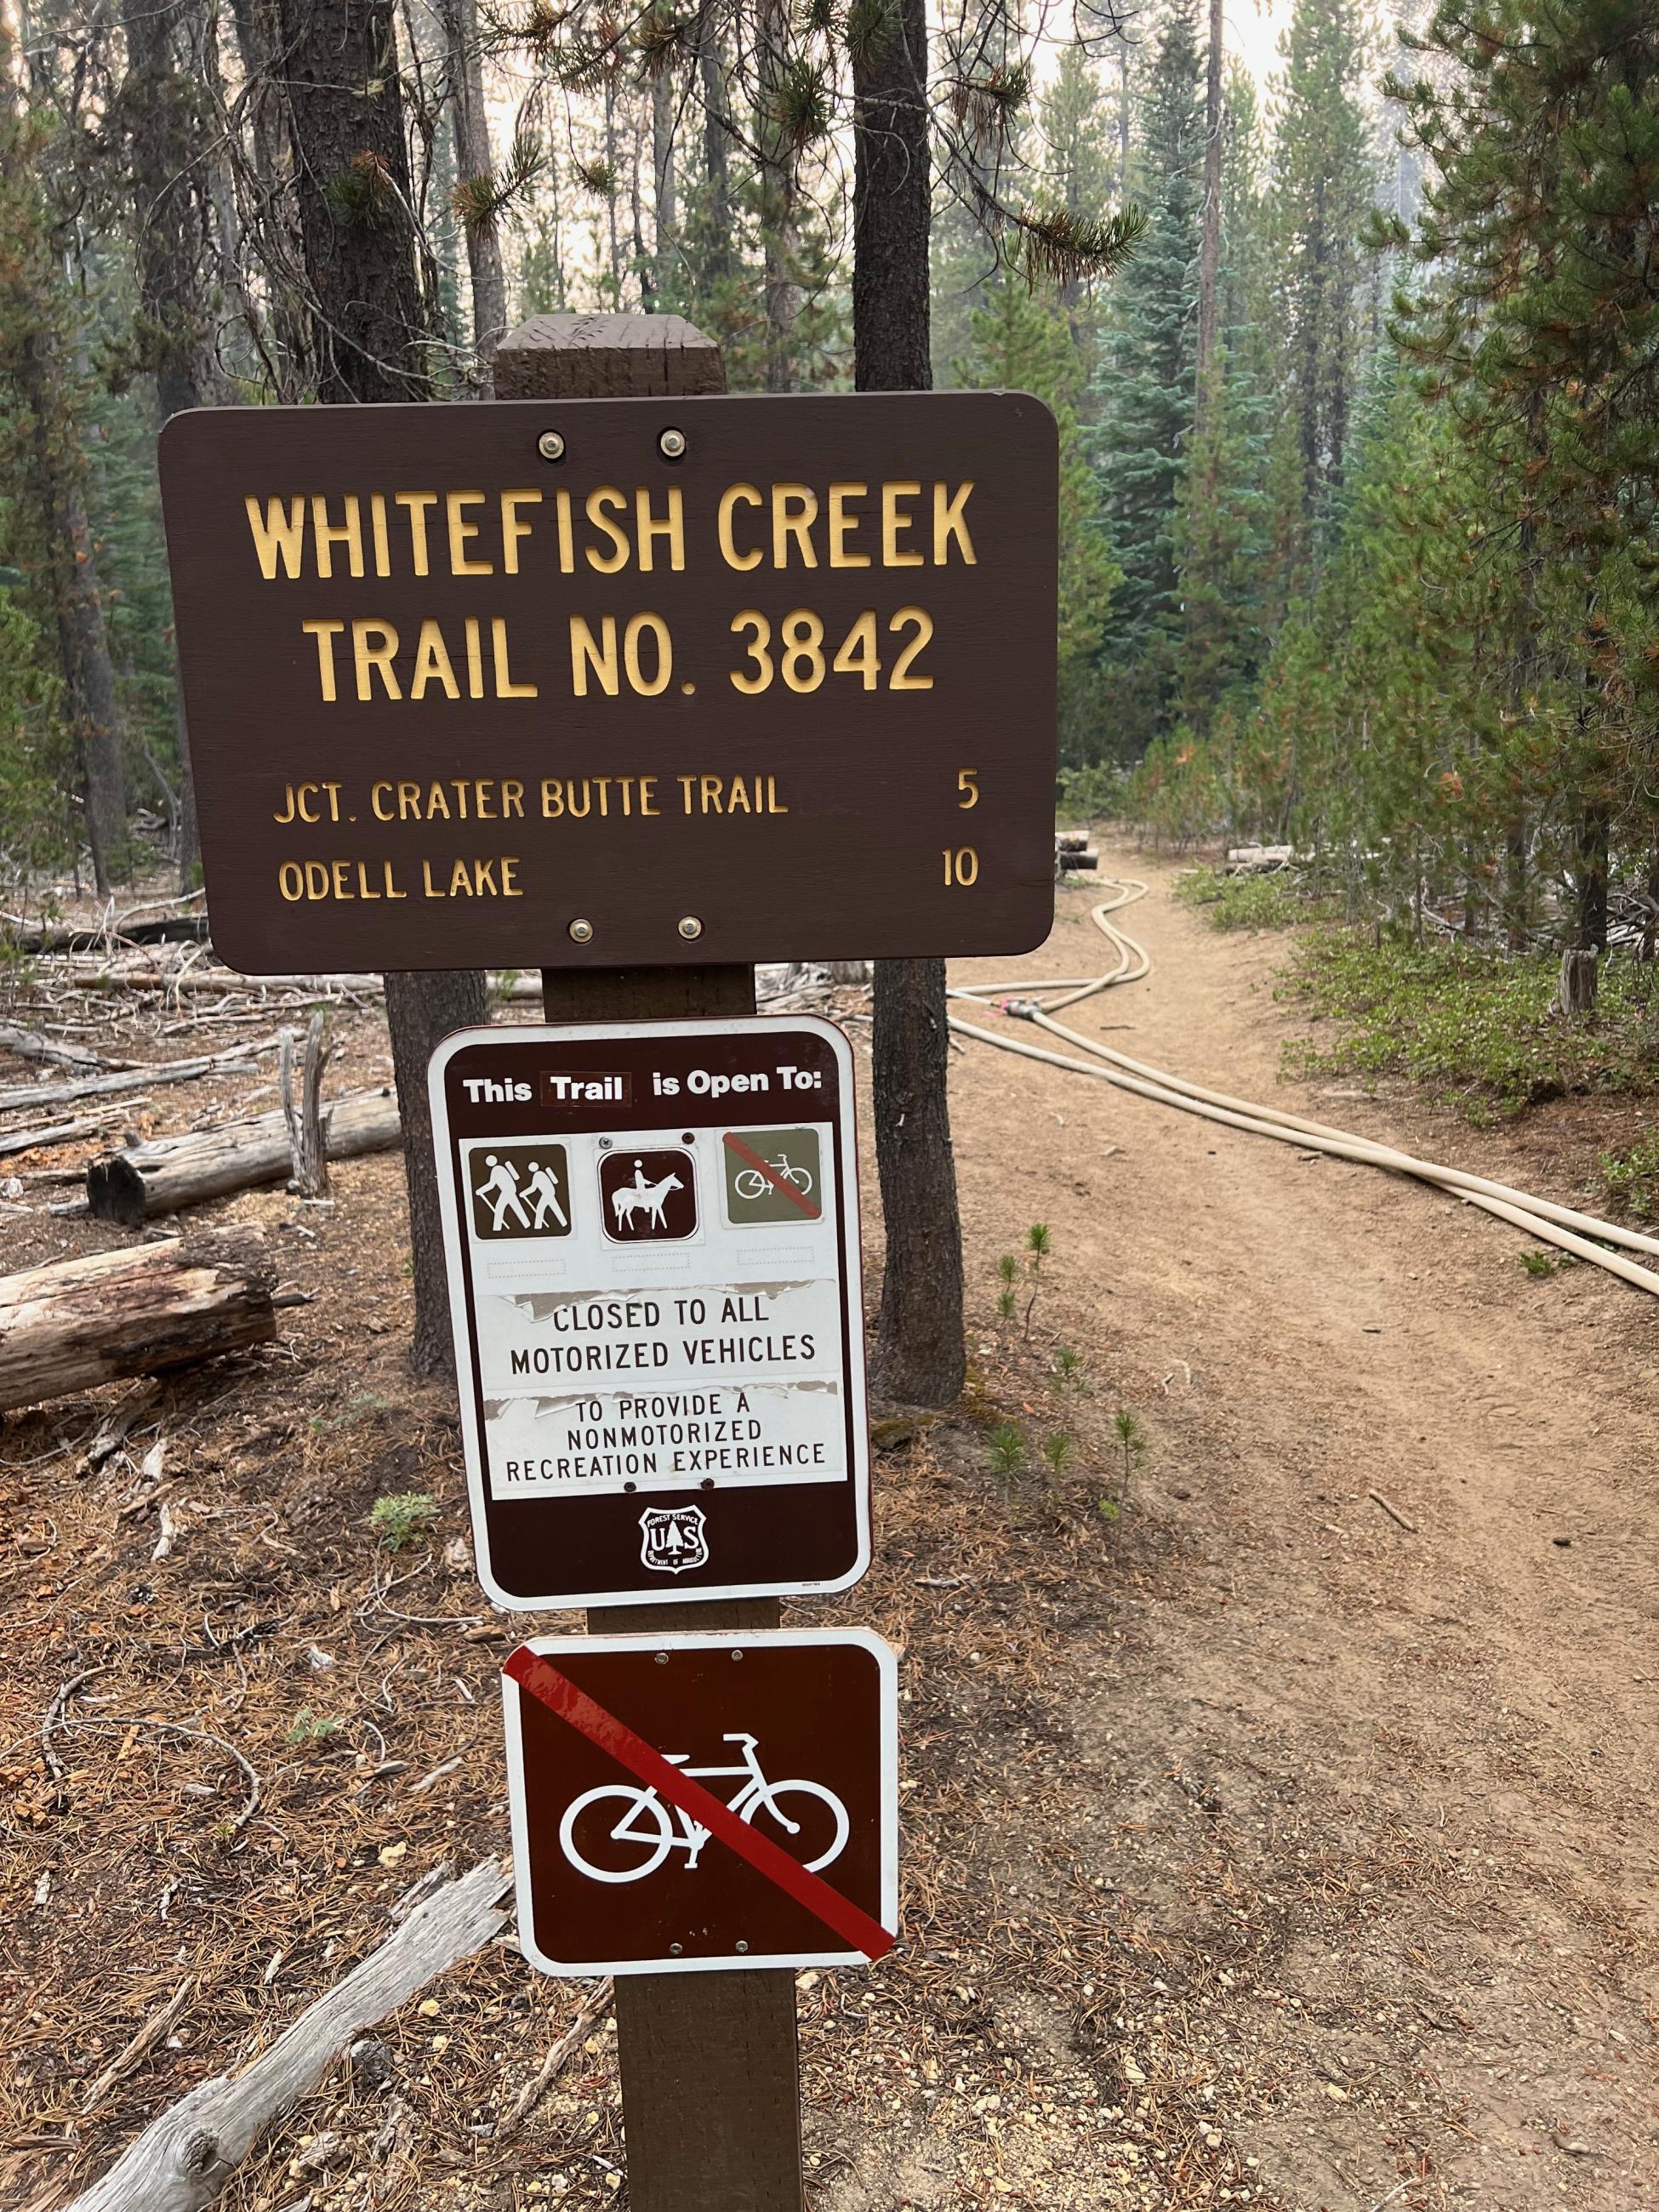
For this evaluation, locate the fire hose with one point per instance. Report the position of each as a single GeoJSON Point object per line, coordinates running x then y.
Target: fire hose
{"type": "Point", "coordinates": [1039, 1002]}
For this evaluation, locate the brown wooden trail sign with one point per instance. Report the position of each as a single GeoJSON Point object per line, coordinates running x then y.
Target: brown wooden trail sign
{"type": "Point", "coordinates": [619, 681]}
{"type": "Point", "coordinates": [652, 1231]}
{"type": "Point", "coordinates": [686, 1803]}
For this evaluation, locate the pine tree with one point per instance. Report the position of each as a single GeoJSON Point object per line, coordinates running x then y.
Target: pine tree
{"type": "Point", "coordinates": [1144, 392]}
{"type": "Point", "coordinates": [1023, 341]}
{"type": "Point", "coordinates": [1323, 182]}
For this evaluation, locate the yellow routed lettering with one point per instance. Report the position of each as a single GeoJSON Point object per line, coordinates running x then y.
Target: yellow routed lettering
{"type": "Point", "coordinates": [460, 880]}
{"type": "Point", "coordinates": [794, 510]}
{"type": "Point", "coordinates": [462, 533]}
{"type": "Point", "coordinates": [647, 794]}
{"type": "Point", "coordinates": [773, 804]}
{"type": "Point", "coordinates": [686, 783]}
{"type": "Point", "coordinates": [483, 882]}
{"type": "Point", "coordinates": [663, 649]}
{"type": "Point", "coordinates": [512, 799]}
{"type": "Point", "coordinates": [380, 813]}
{"type": "Point", "coordinates": [483, 801]}
{"type": "Point", "coordinates": [949, 522]}
{"type": "Point", "coordinates": [327, 535]}
{"type": "Point", "coordinates": [415, 504]}
{"type": "Point", "coordinates": [567, 536]}
{"type": "Point", "coordinates": [751, 620]}
{"type": "Point", "coordinates": [843, 525]}
{"type": "Point", "coordinates": [432, 665]}
{"type": "Point", "coordinates": [372, 645]}
{"type": "Point", "coordinates": [428, 887]}
{"type": "Point", "coordinates": [291, 881]}
{"type": "Point", "coordinates": [737, 798]}
{"type": "Point", "coordinates": [601, 657]}
{"type": "Point", "coordinates": [510, 888]}
{"type": "Point", "coordinates": [513, 531]}
{"type": "Point", "coordinates": [325, 633]}
{"type": "Point", "coordinates": [316, 880]}
{"type": "Point", "coordinates": [437, 804]}
{"type": "Point", "coordinates": [893, 523]}
{"type": "Point", "coordinates": [392, 890]}
{"type": "Point", "coordinates": [338, 873]}
{"type": "Point", "coordinates": [708, 794]}
{"type": "Point", "coordinates": [279, 535]}
{"type": "Point", "coordinates": [729, 498]}
{"type": "Point", "coordinates": [409, 802]}
{"type": "Point", "coordinates": [552, 798]}
{"type": "Point", "coordinates": [505, 687]}
{"type": "Point", "coordinates": [646, 530]}
{"type": "Point", "coordinates": [856, 655]}
{"type": "Point", "coordinates": [578, 813]}
{"type": "Point", "coordinates": [474, 683]}
{"type": "Point", "coordinates": [599, 502]}
{"type": "Point", "coordinates": [921, 622]}
{"type": "Point", "coordinates": [363, 890]}
{"type": "Point", "coordinates": [377, 532]}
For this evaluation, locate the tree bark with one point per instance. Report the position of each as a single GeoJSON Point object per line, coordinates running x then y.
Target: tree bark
{"type": "Point", "coordinates": [352, 184]}
{"type": "Point", "coordinates": [422, 1011]}
{"type": "Point", "coordinates": [664, 208]}
{"type": "Point", "coordinates": [346, 121]}
{"type": "Point", "coordinates": [80, 1324]}
{"type": "Point", "coordinates": [778, 188]}
{"type": "Point", "coordinates": [473, 158]}
{"type": "Point", "coordinates": [920, 1356]}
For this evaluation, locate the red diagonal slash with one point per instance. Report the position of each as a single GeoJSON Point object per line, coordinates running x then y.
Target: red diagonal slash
{"type": "Point", "coordinates": [618, 1740]}
{"type": "Point", "coordinates": [778, 1183]}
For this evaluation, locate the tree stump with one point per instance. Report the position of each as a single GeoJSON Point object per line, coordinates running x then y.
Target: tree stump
{"type": "Point", "coordinates": [1580, 974]}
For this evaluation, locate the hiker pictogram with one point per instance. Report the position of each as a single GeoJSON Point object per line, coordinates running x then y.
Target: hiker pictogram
{"type": "Point", "coordinates": [520, 1190]}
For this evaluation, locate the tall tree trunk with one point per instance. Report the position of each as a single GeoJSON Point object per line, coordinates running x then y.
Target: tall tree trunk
{"type": "Point", "coordinates": [717, 261]}
{"type": "Point", "coordinates": [352, 183]}
{"type": "Point", "coordinates": [345, 113]}
{"type": "Point", "coordinates": [1209, 250]}
{"type": "Point", "coordinates": [175, 240]}
{"type": "Point", "coordinates": [662, 179]}
{"type": "Point", "coordinates": [473, 158]}
{"type": "Point", "coordinates": [1591, 877]}
{"type": "Point", "coordinates": [920, 1356]}
{"type": "Point", "coordinates": [778, 193]}
{"type": "Point", "coordinates": [273, 232]}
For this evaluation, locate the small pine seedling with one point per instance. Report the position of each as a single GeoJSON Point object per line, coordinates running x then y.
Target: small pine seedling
{"type": "Point", "coordinates": [1007, 1450]}
{"type": "Point", "coordinates": [1538, 1263]}
{"type": "Point", "coordinates": [1038, 1245]}
{"type": "Point", "coordinates": [1131, 1439]}
{"type": "Point", "coordinates": [399, 1520]}
{"type": "Point", "coordinates": [1068, 1371]}
{"type": "Point", "coordinates": [1058, 1450]}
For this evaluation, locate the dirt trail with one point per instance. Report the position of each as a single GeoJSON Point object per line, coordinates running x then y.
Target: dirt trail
{"type": "Point", "coordinates": [1453, 1729]}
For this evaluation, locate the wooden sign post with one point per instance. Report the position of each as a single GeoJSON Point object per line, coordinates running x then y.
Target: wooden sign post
{"type": "Point", "coordinates": [710, 2070]}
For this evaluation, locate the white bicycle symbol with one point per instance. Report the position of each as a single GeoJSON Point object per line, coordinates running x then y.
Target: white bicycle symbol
{"type": "Point", "coordinates": [645, 1821]}
{"type": "Point", "coordinates": [750, 1183]}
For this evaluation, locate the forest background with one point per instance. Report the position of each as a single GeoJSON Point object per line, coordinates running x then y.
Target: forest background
{"type": "Point", "coordinates": [1357, 475]}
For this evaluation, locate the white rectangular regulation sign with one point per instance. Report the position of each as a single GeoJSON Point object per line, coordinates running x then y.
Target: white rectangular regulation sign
{"type": "Point", "coordinates": [652, 1234]}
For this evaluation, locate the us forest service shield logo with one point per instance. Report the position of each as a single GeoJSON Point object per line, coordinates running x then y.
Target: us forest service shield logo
{"type": "Point", "coordinates": [671, 1538]}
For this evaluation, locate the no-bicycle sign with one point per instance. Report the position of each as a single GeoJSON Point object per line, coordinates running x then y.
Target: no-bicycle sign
{"type": "Point", "coordinates": [617, 682]}
{"type": "Point", "coordinates": [687, 1802]}
{"type": "Point", "coordinates": [652, 1234]}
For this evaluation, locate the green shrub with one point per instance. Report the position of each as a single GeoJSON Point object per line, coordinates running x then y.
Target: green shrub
{"type": "Point", "coordinates": [1632, 1177]}
{"type": "Point", "coordinates": [400, 1520]}
{"type": "Point", "coordinates": [1272, 901]}
{"type": "Point", "coordinates": [1478, 1027]}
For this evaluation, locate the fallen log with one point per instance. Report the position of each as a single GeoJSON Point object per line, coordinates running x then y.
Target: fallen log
{"type": "Point", "coordinates": [169, 1173]}
{"type": "Point", "coordinates": [183, 2160]}
{"type": "Point", "coordinates": [79, 1323]}
{"type": "Point", "coordinates": [239, 1057]}
{"type": "Point", "coordinates": [30, 1044]}
{"type": "Point", "coordinates": [39, 1134]}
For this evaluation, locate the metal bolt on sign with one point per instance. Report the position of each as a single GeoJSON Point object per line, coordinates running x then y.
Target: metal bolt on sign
{"type": "Point", "coordinates": [550, 446]}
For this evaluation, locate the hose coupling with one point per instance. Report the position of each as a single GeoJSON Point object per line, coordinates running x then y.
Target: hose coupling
{"type": "Point", "coordinates": [1020, 1010]}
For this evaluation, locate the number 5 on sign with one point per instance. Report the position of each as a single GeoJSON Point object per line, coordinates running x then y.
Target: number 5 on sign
{"type": "Point", "coordinates": [961, 866]}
